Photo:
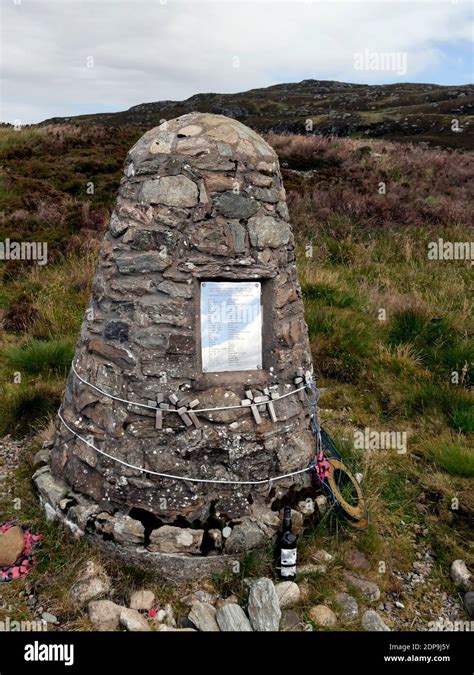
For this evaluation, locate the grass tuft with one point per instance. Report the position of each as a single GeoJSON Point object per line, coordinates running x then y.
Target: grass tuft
{"type": "Point", "coordinates": [25, 407]}
{"type": "Point", "coordinates": [450, 455]}
{"type": "Point", "coordinates": [37, 356]}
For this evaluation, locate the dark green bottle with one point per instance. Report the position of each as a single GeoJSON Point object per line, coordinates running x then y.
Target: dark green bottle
{"type": "Point", "coordinates": [287, 548]}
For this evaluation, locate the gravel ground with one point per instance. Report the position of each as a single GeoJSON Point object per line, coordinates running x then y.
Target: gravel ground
{"type": "Point", "coordinates": [9, 461]}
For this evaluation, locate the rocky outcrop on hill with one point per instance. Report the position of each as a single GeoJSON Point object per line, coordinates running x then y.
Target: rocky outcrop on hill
{"type": "Point", "coordinates": [413, 112]}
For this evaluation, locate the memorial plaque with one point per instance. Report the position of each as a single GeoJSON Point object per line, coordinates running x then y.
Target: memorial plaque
{"type": "Point", "coordinates": [231, 326]}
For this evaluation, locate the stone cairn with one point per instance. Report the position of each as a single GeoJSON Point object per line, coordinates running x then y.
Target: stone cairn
{"type": "Point", "coordinates": [201, 199]}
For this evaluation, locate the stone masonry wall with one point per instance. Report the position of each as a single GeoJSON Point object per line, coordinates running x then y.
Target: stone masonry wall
{"type": "Point", "coordinates": [202, 198]}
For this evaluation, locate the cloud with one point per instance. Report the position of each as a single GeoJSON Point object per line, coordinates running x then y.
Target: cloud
{"type": "Point", "coordinates": [149, 50]}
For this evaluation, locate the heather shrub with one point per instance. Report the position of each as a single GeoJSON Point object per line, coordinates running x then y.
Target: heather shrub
{"type": "Point", "coordinates": [422, 186]}
{"type": "Point", "coordinates": [20, 315]}
{"type": "Point", "coordinates": [303, 152]}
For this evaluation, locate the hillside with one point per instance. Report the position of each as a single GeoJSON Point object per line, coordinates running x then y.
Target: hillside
{"type": "Point", "coordinates": [415, 112]}
{"type": "Point", "coordinates": [359, 251]}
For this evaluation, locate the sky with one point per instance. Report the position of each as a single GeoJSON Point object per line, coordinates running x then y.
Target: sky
{"type": "Point", "coordinates": [70, 57]}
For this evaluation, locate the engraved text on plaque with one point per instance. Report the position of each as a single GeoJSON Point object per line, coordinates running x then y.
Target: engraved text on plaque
{"type": "Point", "coordinates": [231, 326]}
